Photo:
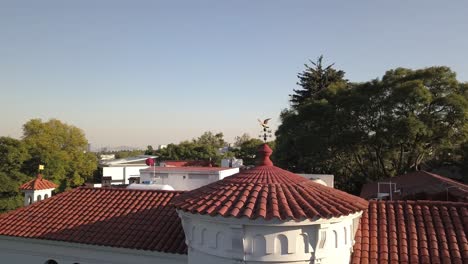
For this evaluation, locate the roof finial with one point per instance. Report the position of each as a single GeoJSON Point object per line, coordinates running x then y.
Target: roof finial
{"type": "Point", "coordinates": [266, 132]}
{"type": "Point", "coordinates": [264, 153]}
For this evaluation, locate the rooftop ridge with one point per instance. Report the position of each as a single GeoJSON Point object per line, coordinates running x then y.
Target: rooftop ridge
{"type": "Point", "coordinates": [446, 179]}
{"type": "Point", "coordinates": [419, 202]}
{"type": "Point", "coordinates": [128, 190]}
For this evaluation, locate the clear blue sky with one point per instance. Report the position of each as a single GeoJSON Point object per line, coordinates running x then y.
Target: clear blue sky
{"type": "Point", "coordinates": [153, 72]}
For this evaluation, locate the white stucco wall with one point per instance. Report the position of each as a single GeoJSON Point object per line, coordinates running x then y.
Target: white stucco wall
{"type": "Point", "coordinates": [179, 181]}
{"type": "Point", "coordinates": [35, 194]}
{"type": "Point", "coordinates": [218, 239]}
{"type": "Point", "coordinates": [27, 251]}
{"type": "Point", "coordinates": [187, 180]}
{"type": "Point", "coordinates": [122, 172]}
{"type": "Point", "coordinates": [329, 179]}
{"type": "Point", "coordinates": [228, 172]}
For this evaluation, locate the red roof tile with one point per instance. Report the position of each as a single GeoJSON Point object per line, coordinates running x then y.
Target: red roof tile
{"type": "Point", "coordinates": [269, 192]}
{"type": "Point", "coordinates": [420, 185]}
{"type": "Point", "coordinates": [412, 231]}
{"type": "Point", "coordinates": [186, 163]}
{"type": "Point", "coordinates": [135, 219]}
{"type": "Point", "coordinates": [38, 183]}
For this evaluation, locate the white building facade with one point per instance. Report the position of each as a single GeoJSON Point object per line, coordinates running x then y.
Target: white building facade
{"type": "Point", "coordinates": [28, 251]}
{"type": "Point", "coordinates": [184, 178]}
{"type": "Point", "coordinates": [214, 240]}
{"type": "Point", "coordinates": [121, 170]}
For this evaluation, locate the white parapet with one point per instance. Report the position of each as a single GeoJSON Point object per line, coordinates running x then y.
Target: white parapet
{"type": "Point", "coordinates": [218, 239]}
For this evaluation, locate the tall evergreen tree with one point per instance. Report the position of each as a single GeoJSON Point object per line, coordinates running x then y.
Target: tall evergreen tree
{"type": "Point", "coordinates": [314, 80]}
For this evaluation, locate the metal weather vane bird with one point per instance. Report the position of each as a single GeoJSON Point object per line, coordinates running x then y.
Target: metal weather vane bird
{"type": "Point", "coordinates": [266, 132]}
{"type": "Point", "coordinates": [264, 124]}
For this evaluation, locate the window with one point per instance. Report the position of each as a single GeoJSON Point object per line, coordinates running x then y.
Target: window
{"type": "Point", "coordinates": [203, 236]}
{"type": "Point", "coordinates": [345, 236]}
{"type": "Point", "coordinates": [302, 243]}
{"type": "Point", "coordinates": [51, 261]}
{"type": "Point", "coordinates": [323, 239]}
{"type": "Point", "coordinates": [259, 245]}
{"type": "Point", "coordinates": [281, 245]}
{"type": "Point", "coordinates": [30, 199]}
{"type": "Point", "coordinates": [39, 198]}
{"type": "Point", "coordinates": [220, 240]}
{"type": "Point", "coordinates": [46, 196]}
{"type": "Point", "coordinates": [335, 234]}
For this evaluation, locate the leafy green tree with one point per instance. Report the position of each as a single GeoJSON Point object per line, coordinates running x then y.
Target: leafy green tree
{"type": "Point", "coordinates": [62, 149]}
{"type": "Point", "coordinates": [381, 128]}
{"type": "Point", "coordinates": [204, 148]}
{"type": "Point", "coordinates": [128, 153]}
{"type": "Point", "coordinates": [211, 139]}
{"type": "Point", "coordinates": [239, 140]}
{"type": "Point", "coordinates": [248, 151]}
{"type": "Point", "coordinates": [149, 150]}
{"type": "Point", "coordinates": [13, 154]}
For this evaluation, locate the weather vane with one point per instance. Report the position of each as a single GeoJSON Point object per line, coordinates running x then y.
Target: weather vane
{"type": "Point", "coordinates": [266, 132]}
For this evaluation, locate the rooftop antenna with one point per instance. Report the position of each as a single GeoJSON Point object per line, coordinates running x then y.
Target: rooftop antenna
{"type": "Point", "coordinates": [266, 132]}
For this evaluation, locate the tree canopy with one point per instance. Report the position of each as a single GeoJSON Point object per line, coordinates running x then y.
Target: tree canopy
{"type": "Point", "coordinates": [366, 131]}
{"type": "Point", "coordinates": [13, 154]}
{"type": "Point", "coordinates": [206, 147]}
{"type": "Point", "coordinates": [315, 80]}
{"type": "Point", "coordinates": [62, 149]}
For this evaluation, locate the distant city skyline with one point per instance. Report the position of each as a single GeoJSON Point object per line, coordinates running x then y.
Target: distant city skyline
{"type": "Point", "coordinates": [138, 73]}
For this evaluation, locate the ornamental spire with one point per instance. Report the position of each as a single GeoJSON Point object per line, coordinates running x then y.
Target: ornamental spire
{"type": "Point", "coordinates": [264, 152]}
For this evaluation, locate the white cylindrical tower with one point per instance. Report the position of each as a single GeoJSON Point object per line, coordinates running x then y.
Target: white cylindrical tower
{"type": "Point", "coordinates": [266, 215]}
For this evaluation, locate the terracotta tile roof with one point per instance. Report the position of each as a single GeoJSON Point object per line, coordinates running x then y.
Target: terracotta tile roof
{"type": "Point", "coordinates": [412, 232]}
{"type": "Point", "coordinates": [186, 163]}
{"type": "Point", "coordinates": [420, 185]}
{"type": "Point", "coordinates": [38, 183]}
{"type": "Point", "coordinates": [135, 219]}
{"type": "Point", "coordinates": [269, 192]}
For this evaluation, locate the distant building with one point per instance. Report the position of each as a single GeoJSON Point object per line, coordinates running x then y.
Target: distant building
{"type": "Point", "coordinates": [162, 147]}
{"type": "Point", "coordinates": [119, 171]}
{"type": "Point", "coordinates": [185, 163]}
{"type": "Point", "coordinates": [232, 163]}
{"type": "Point", "coordinates": [106, 157]}
{"type": "Point", "coordinates": [328, 179]}
{"type": "Point", "coordinates": [184, 178]}
{"type": "Point", "coordinates": [224, 150]}
{"type": "Point", "coordinates": [419, 185]}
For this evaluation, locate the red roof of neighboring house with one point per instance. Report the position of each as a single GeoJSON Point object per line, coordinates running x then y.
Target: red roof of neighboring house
{"type": "Point", "coordinates": [412, 232]}
{"type": "Point", "coordinates": [420, 185]}
{"type": "Point", "coordinates": [186, 163]}
{"type": "Point", "coordinates": [269, 192]}
{"type": "Point", "coordinates": [38, 183]}
{"type": "Point", "coordinates": [135, 219]}
{"type": "Point", "coordinates": [185, 169]}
